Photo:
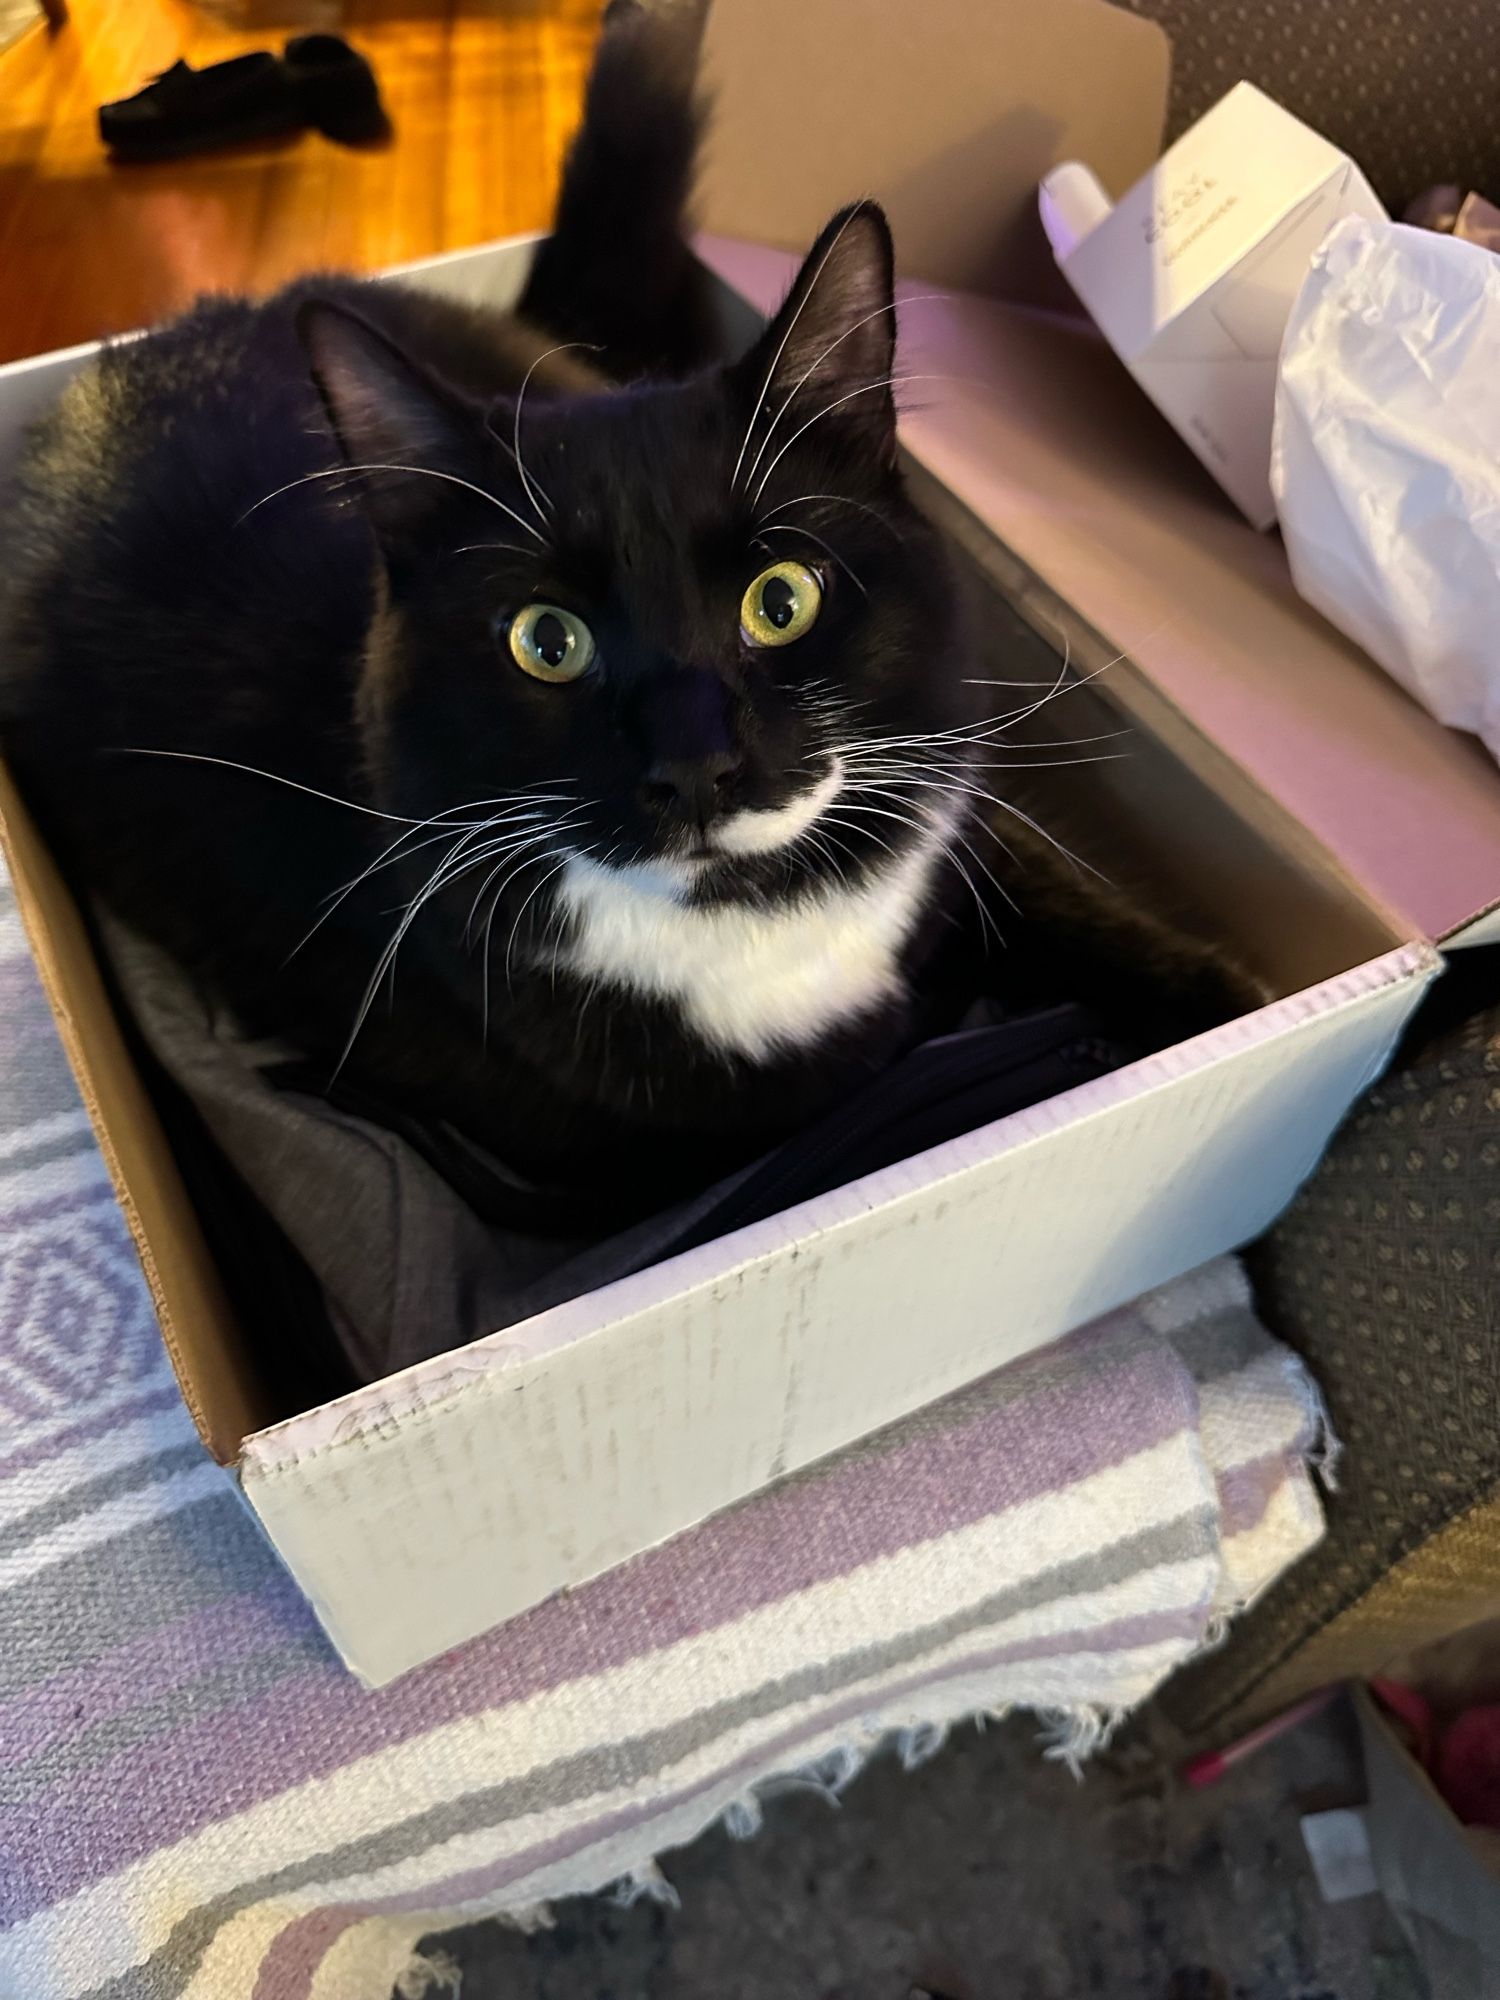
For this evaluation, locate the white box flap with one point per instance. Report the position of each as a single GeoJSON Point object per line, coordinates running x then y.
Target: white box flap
{"type": "Point", "coordinates": [424, 1510]}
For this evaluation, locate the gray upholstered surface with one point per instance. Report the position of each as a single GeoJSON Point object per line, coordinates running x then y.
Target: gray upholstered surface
{"type": "Point", "coordinates": [1410, 88]}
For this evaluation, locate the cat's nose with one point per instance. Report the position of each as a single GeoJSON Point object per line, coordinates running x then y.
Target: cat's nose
{"type": "Point", "coordinates": [694, 789]}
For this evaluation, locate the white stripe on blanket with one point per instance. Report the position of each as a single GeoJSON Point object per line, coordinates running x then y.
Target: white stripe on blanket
{"type": "Point", "coordinates": [1253, 1559]}
{"type": "Point", "coordinates": [1115, 1677]}
{"type": "Point", "coordinates": [33, 1435]}
{"type": "Point", "coordinates": [136, 1439]}
{"type": "Point", "coordinates": [1136, 1673]}
{"type": "Point", "coordinates": [103, 1930]}
{"type": "Point", "coordinates": [117, 1517]}
{"type": "Point", "coordinates": [47, 1131]}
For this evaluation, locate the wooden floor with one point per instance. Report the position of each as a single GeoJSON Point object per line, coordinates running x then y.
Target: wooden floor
{"type": "Point", "coordinates": [483, 98]}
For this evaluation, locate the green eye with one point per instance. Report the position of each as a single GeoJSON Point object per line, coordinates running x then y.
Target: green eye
{"type": "Point", "coordinates": [781, 604]}
{"type": "Point", "coordinates": [549, 643]}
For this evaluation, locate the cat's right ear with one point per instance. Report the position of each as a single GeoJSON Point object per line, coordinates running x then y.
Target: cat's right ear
{"type": "Point", "coordinates": [385, 412]}
{"type": "Point", "coordinates": [830, 350]}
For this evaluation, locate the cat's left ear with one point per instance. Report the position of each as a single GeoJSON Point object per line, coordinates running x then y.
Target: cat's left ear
{"type": "Point", "coordinates": [831, 347]}
{"type": "Point", "coordinates": [385, 412]}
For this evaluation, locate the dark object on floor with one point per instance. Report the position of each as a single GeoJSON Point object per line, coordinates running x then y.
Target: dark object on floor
{"type": "Point", "coordinates": [336, 89]}
{"type": "Point", "coordinates": [187, 110]}
{"type": "Point", "coordinates": [320, 82]}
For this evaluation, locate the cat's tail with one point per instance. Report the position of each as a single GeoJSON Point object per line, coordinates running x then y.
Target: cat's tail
{"type": "Point", "coordinates": [616, 270]}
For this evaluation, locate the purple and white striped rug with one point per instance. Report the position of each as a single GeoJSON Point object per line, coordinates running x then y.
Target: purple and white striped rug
{"type": "Point", "coordinates": [198, 1803]}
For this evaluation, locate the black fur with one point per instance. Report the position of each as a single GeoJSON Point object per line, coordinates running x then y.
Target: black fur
{"type": "Point", "coordinates": [348, 635]}
{"type": "Point", "coordinates": [632, 160]}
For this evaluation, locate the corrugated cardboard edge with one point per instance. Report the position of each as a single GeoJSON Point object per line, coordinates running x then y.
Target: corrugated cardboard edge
{"type": "Point", "coordinates": [427, 1386]}
{"type": "Point", "coordinates": [188, 1296]}
{"type": "Point", "coordinates": [760, 1368]}
{"type": "Point", "coordinates": [1482, 928]}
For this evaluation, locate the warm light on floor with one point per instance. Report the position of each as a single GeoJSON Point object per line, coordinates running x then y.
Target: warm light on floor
{"type": "Point", "coordinates": [483, 99]}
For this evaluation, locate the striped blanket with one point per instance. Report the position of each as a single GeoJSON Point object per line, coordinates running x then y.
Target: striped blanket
{"type": "Point", "coordinates": [197, 1802]}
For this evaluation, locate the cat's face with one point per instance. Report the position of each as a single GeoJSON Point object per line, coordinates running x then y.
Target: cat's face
{"type": "Point", "coordinates": [672, 630]}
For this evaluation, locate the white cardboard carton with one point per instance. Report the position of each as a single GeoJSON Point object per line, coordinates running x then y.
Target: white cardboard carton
{"type": "Point", "coordinates": [429, 1507]}
{"type": "Point", "coordinates": [1192, 274]}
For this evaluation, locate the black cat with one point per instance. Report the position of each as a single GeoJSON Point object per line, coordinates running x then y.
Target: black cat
{"type": "Point", "coordinates": [573, 747]}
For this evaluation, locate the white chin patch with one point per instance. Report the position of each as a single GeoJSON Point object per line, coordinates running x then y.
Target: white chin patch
{"type": "Point", "coordinates": [766, 832]}
{"type": "Point", "coordinates": [750, 980]}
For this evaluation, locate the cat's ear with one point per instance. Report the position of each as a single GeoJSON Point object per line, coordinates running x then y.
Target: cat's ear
{"type": "Point", "coordinates": [385, 411]}
{"type": "Point", "coordinates": [831, 346]}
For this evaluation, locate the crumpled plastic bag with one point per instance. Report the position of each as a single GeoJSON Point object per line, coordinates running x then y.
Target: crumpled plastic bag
{"type": "Point", "coordinates": [1385, 459]}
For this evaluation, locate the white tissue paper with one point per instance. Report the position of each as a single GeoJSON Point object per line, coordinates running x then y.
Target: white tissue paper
{"type": "Point", "coordinates": [1385, 458]}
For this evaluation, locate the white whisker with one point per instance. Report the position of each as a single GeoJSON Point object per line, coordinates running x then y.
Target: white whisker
{"type": "Point", "coordinates": [919, 827]}
{"type": "Point", "coordinates": [922, 298]}
{"type": "Point", "coordinates": [512, 867]}
{"type": "Point", "coordinates": [881, 382]}
{"type": "Point", "coordinates": [524, 807]}
{"type": "Point", "coordinates": [517, 844]}
{"type": "Point", "coordinates": [453, 865]}
{"type": "Point", "coordinates": [535, 491]}
{"type": "Point", "coordinates": [765, 387]}
{"type": "Point", "coordinates": [978, 792]}
{"type": "Point", "coordinates": [839, 816]}
{"type": "Point", "coordinates": [531, 898]}
{"type": "Point", "coordinates": [986, 731]}
{"type": "Point", "coordinates": [484, 942]}
{"type": "Point", "coordinates": [1007, 684]}
{"type": "Point", "coordinates": [819, 842]}
{"type": "Point", "coordinates": [421, 472]}
{"type": "Point", "coordinates": [387, 960]}
{"type": "Point", "coordinates": [990, 764]}
{"type": "Point", "coordinates": [791, 528]}
{"type": "Point", "coordinates": [254, 770]}
{"type": "Point", "coordinates": [387, 858]}
{"type": "Point", "coordinates": [841, 500]}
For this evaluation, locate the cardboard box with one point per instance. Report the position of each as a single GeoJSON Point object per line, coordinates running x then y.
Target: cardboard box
{"type": "Point", "coordinates": [1275, 782]}
{"type": "Point", "coordinates": [1441, 1880]}
{"type": "Point", "coordinates": [1192, 275]}
{"type": "Point", "coordinates": [948, 112]}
